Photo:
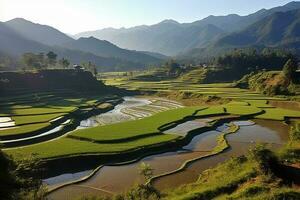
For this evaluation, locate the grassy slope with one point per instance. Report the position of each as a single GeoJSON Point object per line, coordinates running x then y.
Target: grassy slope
{"type": "Point", "coordinates": [243, 178]}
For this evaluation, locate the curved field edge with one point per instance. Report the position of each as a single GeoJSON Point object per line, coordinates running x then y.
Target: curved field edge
{"type": "Point", "coordinates": [197, 112]}
{"type": "Point", "coordinates": [248, 177]}
{"type": "Point", "coordinates": [69, 146]}
{"type": "Point", "coordinates": [39, 116]}
{"type": "Point", "coordinates": [222, 145]}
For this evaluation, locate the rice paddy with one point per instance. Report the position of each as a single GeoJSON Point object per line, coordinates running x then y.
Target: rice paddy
{"type": "Point", "coordinates": [32, 113]}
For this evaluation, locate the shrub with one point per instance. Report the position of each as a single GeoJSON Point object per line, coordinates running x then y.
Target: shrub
{"type": "Point", "coordinates": [265, 160]}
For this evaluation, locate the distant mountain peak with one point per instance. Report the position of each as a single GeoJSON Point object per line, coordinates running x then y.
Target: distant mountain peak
{"type": "Point", "coordinates": [20, 20]}
{"type": "Point", "coordinates": [37, 32]}
{"type": "Point", "coordinates": [169, 21]}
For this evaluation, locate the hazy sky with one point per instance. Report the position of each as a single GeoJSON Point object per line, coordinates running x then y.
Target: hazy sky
{"type": "Point", "coordinates": [73, 16]}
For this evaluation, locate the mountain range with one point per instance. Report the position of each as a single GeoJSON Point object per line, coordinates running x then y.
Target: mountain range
{"type": "Point", "coordinates": [19, 36]}
{"type": "Point", "coordinates": [109, 48]}
{"type": "Point", "coordinates": [171, 38]}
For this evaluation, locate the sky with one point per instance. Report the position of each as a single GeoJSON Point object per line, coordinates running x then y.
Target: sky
{"type": "Point", "coordinates": [74, 16]}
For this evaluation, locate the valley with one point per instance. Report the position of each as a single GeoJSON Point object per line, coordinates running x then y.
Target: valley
{"type": "Point", "coordinates": [150, 100]}
{"type": "Point", "coordinates": [108, 137]}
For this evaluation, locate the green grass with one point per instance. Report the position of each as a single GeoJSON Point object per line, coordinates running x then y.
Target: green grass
{"type": "Point", "coordinates": [259, 103]}
{"type": "Point", "coordinates": [238, 103]}
{"type": "Point", "coordinates": [36, 111]}
{"type": "Point", "coordinates": [188, 84]}
{"type": "Point", "coordinates": [278, 114]}
{"type": "Point", "coordinates": [23, 129]}
{"type": "Point", "coordinates": [67, 146]}
{"type": "Point", "coordinates": [36, 118]}
{"type": "Point", "coordinates": [126, 130]}
{"type": "Point", "coordinates": [214, 182]}
{"type": "Point", "coordinates": [242, 110]}
{"type": "Point", "coordinates": [211, 111]}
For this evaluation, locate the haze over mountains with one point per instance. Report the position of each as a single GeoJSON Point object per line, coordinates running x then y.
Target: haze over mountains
{"type": "Point", "coordinates": [171, 38]}
{"type": "Point", "coordinates": [19, 36]}
{"type": "Point", "coordinates": [277, 27]}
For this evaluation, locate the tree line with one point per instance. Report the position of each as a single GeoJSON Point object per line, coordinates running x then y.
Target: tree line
{"type": "Point", "coordinates": [43, 61]}
{"type": "Point", "coordinates": [249, 60]}
{"type": "Point", "coordinates": [40, 61]}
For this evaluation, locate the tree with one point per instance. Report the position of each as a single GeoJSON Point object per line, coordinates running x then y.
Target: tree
{"type": "Point", "coordinates": [89, 66]}
{"type": "Point", "coordinates": [173, 68]}
{"type": "Point", "coordinates": [5, 62]}
{"type": "Point", "coordinates": [51, 58]}
{"type": "Point", "coordinates": [95, 71]}
{"type": "Point", "coordinates": [146, 171]}
{"type": "Point", "coordinates": [34, 61]}
{"type": "Point", "coordinates": [289, 69]}
{"type": "Point", "coordinates": [17, 181]}
{"type": "Point", "coordinates": [64, 63]}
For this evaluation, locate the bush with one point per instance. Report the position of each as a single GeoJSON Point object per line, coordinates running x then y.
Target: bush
{"type": "Point", "coordinates": [141, 192]}
{"type": "Point", "coordinates": [265, 160]}
{"type": "Point", "coordinates": [16, 182]}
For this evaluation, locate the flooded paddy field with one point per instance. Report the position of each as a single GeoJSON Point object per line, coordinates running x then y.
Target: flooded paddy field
{"type": "Point", "coordinates": [117, 179]}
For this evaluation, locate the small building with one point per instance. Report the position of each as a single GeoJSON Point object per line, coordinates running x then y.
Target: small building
{"type": "Point", "coordinates": [78, 67]}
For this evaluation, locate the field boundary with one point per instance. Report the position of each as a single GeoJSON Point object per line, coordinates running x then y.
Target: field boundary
{"type": "Point", "coordinates": [223, 141]}
{"type": "Point", "coordinates": [179, 142]}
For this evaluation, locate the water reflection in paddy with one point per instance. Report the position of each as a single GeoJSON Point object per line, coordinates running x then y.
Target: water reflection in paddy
{"type": "Point", "coordinates": [121, 178]}
{"type": "Point", "coordinates": [131, 108]}
{"type": "Point", "coordinates": [118, 179]}
{"type": "Point", "coordinates": [275, 133]}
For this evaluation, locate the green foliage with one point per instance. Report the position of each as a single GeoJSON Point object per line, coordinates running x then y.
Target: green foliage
{"type": "Point", "coordinates": [51, 58]}
{"type": "Point", "coordinates": [264, 160]}
{"type": "Point", "coordinates": [146, 170]}
{"type": "Point", "coordinates": [236, 64]}
{"type": "Point", "coordinates": [289, 69]}
{"type": "Point", "coordinates": [34, 61]}
{"type": "Point", "coordinates": [89, 66]}
{"type": "Point", "coordinates": [213, 182]}
{"type": "Point", "coordinates": [18, 180]}
{"type": "Point", "coordinates": [7, 62]}
{"type": "Point", "coordinates": [64, 63]}
{"type": "Point", "coordinates": [141, 192]}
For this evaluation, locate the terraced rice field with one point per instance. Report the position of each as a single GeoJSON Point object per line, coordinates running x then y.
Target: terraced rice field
{"type": "Point", "coordinates": [130, 135]}
{"type": "Point", "coordinates": [224, 90]}
{"type": "Point", "coordinates": [131, 109]}
{"type": "Point", "coordinates": [31, 113]}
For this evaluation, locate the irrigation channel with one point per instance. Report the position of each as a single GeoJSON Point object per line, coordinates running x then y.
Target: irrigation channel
{"type": "Point", "coordinates": [112, 179]}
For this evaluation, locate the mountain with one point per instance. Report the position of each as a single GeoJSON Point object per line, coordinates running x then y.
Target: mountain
{"type": "Point", "coordinates": [14, 44]}
{"type": "Point", "coordinates": [233, 22]}
{"type": "Point", "coordinates": [37, 32]}
{"type": "Point", "coordinates": [278, 29]}
{"type": "Point", "coordinates": [170, 37]}
{"type": "Point", "coordinates": [167, 37]}
{"type": "Point", "coordinates": [106, 49]}
{"type": "Point", "coordinates": [52, 37]}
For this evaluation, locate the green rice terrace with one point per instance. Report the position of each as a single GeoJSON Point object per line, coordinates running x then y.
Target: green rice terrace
{"type": "Point", "coordinates": [94, 144]}
{"type": "Point", "coordinates": [91, 137]}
